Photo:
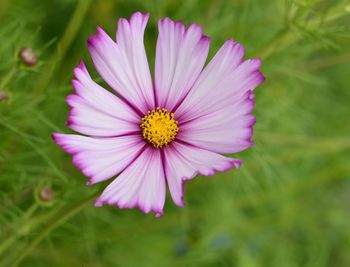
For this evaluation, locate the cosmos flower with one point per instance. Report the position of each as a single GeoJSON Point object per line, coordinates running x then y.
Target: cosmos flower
{"type": "Point", "coordinates": [152, 134]}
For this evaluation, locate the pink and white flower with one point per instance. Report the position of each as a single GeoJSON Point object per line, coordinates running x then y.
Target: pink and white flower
{"type": "Point", "coordinates": [166, 132]}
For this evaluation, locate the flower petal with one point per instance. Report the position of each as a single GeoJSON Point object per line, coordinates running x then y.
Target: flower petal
{"type": "Point", "coordinates": [100, 158]}
{"type": "Point", "coordinates": [97, 112]}
{"type": "Point", "coordinates": [123, 64]}
{"type": "Point", "coordinates": [180, 57]}
{"type": "Point", "coordinates": [183, 162]}
{"type": "Point", "coordinates": [226, 130]}
{"type": "Point", "coordinates": [142, 185]}
{"type": "Point", "coordinates": [224, 81]}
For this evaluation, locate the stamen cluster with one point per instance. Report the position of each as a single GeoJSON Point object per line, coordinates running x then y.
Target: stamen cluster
{"type": "Point", "coordinates": [159, 127]}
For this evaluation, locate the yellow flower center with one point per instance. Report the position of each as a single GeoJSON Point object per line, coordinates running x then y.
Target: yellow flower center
{"type": "Point", "coordinates": [159, 127]}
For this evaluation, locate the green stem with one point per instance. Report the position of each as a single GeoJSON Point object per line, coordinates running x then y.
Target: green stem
{"type": "Point", "coordinates": [64, 44]}
{"type": "Point", "coordinates": [325, 62]}
{"type": "Point", "coordinates": [58, 219]}
{"type": "Point", "coordinates": [32, 144]}
{"type": "Point", "coordinates": [287, 37]}
{"type": "Point", "coordinates": [73, 26]}
{"type": "Point", "coordinates": [334, 142]}
{"type": "Point", "coordinates": [8, 77]}
{"type": "Point", "coordinates": [22, 229]}
{"type": "Point", "coordinates": [270, 47]}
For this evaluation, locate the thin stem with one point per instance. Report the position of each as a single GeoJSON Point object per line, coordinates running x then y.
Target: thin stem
{"type": "Point", "coordinates": [64, 44]}
{"type": "Point", "coordinates": [73, 26]}
{"type": "Point", "coordinates": [47, 74]}
{"type": "Point", "coordinates": [9, 241]}
{"type": "Point", "coordinates": [37, 148]}
{"type": "Point", "coordinates": [287, 37]}
{"type": "Point", "coordinates": [270, 47]}
{"type": "Point", "coordinates": [58, 219]}
{"type": "Point", "coordinates": [335, 142]}
{"type": "Point", "coordinates": [8, 77]}
{"type": "Point", "coordinates": [325, 62]}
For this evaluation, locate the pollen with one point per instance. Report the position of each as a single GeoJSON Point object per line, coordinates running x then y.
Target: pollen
{"type": "Point", "coordinates": [159, 127]}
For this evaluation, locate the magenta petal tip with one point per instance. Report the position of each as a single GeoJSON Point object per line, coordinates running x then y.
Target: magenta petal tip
{"type": "Point", "coordinates": [98, 203]}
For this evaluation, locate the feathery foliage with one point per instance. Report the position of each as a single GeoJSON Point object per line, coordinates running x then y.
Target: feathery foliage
{"type": "Point", "coordinates": [287, 206]}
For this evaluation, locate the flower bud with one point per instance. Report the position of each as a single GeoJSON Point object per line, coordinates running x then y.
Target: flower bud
{"type": "Point", "coordinates": [44, 195]}
{"type": "Point", "coordinates": [28, 56]}
{"type": "Point", "coordinates": [4, 97]}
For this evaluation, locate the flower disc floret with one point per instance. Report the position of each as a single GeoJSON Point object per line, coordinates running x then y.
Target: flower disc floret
{"type": "Point", "coordinates": [159, 127]}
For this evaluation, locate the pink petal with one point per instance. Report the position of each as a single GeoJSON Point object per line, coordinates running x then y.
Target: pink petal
{"type": "Point", "coordinates": [183, 162]}
{"type": "Point", "coordinates": [226, 130]}
{"type": "Point", "coordinates": [180, 57]}
{"type": "Point", "coordinates": [97, 112]}
{"type": "Point", "coordinates": [100, 158]}
{"type": "Point", "coordinates": [224, 81]}
{"type": "Point", "coordinates": [142, 185]}
{"type": "Point", "coordinates": [123, 64]}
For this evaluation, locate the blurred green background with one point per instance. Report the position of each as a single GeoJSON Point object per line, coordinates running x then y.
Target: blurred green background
{"type": "Point", "coordinates": [289, 204]}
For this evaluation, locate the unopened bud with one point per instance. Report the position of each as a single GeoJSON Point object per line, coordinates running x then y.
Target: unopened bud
{"type": "Point", "coordinates": [44, 195]}
{"type": "Point", "coordinates": [4, 97]}
{"type": "Point", "coordinates": [28, 56]}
